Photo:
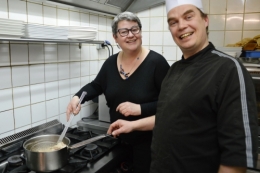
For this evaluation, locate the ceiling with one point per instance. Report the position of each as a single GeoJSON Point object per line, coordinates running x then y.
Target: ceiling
{"type": "Point", "coordinates": [111, 7]}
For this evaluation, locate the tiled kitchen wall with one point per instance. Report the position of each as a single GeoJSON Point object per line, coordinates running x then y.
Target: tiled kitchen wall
{"type": "Point", "coordinates": [37, 80]}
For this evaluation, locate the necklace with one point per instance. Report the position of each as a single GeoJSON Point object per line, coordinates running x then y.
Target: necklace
{"type": "Point", "coordinates": [122, 71]}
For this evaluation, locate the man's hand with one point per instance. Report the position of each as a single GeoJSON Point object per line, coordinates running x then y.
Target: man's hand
{"type": "Point", "coordinates": [120, 126]}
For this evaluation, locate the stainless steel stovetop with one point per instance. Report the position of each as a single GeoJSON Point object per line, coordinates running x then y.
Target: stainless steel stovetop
{"type": "Point", "coordinates": [104, 155]}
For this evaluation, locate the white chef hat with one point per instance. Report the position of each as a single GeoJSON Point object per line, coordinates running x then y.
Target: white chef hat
{"type": "Point", "coordinates": [170, 4]}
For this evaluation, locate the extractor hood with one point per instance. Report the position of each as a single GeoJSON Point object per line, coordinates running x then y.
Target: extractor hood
{"type": "Point", "coordinates": [111, 7]}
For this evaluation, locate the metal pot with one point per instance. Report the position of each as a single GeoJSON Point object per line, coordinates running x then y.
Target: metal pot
{"type": "Point", "coordinates": [53, 160]}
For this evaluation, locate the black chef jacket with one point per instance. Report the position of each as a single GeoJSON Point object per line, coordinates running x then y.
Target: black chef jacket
{"type": "Point", "coordinates": [206, 116]}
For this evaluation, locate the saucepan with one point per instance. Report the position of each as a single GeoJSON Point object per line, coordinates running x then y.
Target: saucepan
{"type": "Point", "coordinates": [42, 154]}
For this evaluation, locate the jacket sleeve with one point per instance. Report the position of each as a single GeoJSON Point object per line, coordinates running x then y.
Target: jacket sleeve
{"type": "Point", "coordinates": [237, 117]}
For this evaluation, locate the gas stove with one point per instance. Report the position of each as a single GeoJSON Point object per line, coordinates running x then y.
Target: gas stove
{"type": "Point", "coordinates": [102, 156]}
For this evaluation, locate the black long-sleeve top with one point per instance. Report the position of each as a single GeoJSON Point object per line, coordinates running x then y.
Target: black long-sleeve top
{"type": "Point", "coordinates": [142, 87]}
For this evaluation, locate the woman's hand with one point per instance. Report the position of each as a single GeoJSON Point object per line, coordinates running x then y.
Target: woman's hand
{"type": "Point", "coordinates": [120, 126]}
{"type": "Point", "coordinates": [128, 108]}
{"type": "Point", "coordinates": [72, 107]}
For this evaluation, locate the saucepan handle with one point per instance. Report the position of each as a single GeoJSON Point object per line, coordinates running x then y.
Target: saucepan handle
{"type": "Point", "coordinates": [88, 141]}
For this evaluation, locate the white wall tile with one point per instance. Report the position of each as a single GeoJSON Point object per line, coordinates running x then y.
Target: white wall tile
{"type": "Point", "coordinates": [63, 103]}
{"type": "Point", "coordinates": [83, 81]}
{"type": "Point", "coordinates": [64, 88]}
{"type": "Point", "coordinates": [36, 53]}
{"type": "Point", "coordinates": [179, 53]}
{"type": "Point", "coordinates": [93, 52]}
{"type": "Point", "coordinates": [37, 93]}
{"type": "Point", "coordinates": [63, 71]}
{"type": "Point", "coordinates": [51, 90]}
{"type": "Point", "coordinates": [93, 20]}
{"type": "Point", "coordinates": [74, 69]}
{"type": "Point", "coordinates": [170, 53]}
{"type": "Point", "coordinates": [85, 52]}
{"type": "Point", "coordinates": [250, 34]}
{"type": "Point", "coordinates": [17, 10]}
{"type": "Point", "coordinates": [74, 85]}
{"type": "Point", "coordinates": [5, 77]}
{"type": "Point", "coordinates": [20, 76]}
{"type": "Point", "coordinates": [84, 67]}
{"type": "Point", "coordinates": [167, 39]}
{"type": "Point", "coordinates": [22, 116]}
{"type": "Point", "coordinates": [252, 21]}
{"type": "Point", "coordinates": [8, 123]}
{"type": "Point", "coordinates": [84, 19]}
{"type": "Point", "coordinates": [217, 37]}
{"type": "Point", "coordinates": [74, 18]}
{"type": "Point", "coordinates": [234, 22]}
{"type": "Point", "coordinates": [235, 6]}
{"type": "Point", "coordinates": [157, 11]}
{"type": "Point", "coordinates": [53, 118]}
{"type": "Point", "coordinates": [19, 54]}
{"type": "Point", "coordinates": [232, 37]}
{"type": "Point", "coordinates": [145, 24]}
{"type": "Point", "coordinates": [74, 53]}
{"type": "Point", "coordinates": [38, 112]}
{"type": "Point", "coordinates": [49, 15]}
{"type": "Point", "coordinates": [145, 38]}
{"type": "Point", "coordinates": [62, 118]}
{"type": "Point", "coordinates": [62, 17]}
{"type": "Point", "coordinates": [36, 74]}
{"type": "Point", "coordinates": [3, 9]}
{"type": "Point", "coordinates": [93, 67]}
{"type": "Point", "coordinates": [156, 38]}
{"type": "Point", "coordinates": [4, 54]}
{"type": "Point", "coordinates": [52, 108]}
{"type": "Point", "coordinates": [34, 13]}
{"type": "Point", "coordinates": [50, 53]}
{"type": "Point", "coordinates": [103, 53]}
{"type": "Point", "coordinates": [102, 35]}
{"type": "Point", "coordinates": [157, 49]}
{"type": "Point", "coordinates": [218, 6]}
{"type": "Point", "coordinates": [6, 134]}
{"type": "Point", "coordinates": [205, 4]}
{"type": "Point", "coordinates": [100, 64]}
{"type": "Point", "coordinates": [109, 22]}
{"type": "Point", "coordinates": [63, 52]}
{"type": "Point", "coordinates": [252, 6]}
{"type": "Point", "coordinates": [6, 100]}
{"type": "Point", "coordinates": [38, 123]}
{"type": "Point", "coordinates": [17, 130]}
{"type": "Point", "coordinates": [21, 96]}
{"type": "Point", "coordinates": [165, 24]}
{"type": "Point", "coordinates": [51, 72]}
{"type": "Point", "coordinates": [217, 22]}
{"type": "Point", "coordinates": [145, 13]}
{"type": "Point", "coordinates": [156, 24]}
{"type": "Point", "coordinates": [102, 23]}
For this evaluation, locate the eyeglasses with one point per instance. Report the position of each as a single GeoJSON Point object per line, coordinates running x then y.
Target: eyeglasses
{"type": "Point", "coordinates": [124, 31]}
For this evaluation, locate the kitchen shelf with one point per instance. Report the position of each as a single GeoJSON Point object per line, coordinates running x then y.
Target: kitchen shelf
{"type": "Point", "coordinates": [52, 41]}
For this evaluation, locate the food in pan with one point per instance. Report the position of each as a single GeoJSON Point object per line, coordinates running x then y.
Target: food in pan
{"type": "Point", "coordinates": [56, 147]}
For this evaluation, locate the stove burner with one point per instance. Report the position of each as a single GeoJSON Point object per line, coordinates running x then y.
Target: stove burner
{"type": "Point", "coordinates": [90, 151]}
{"type": "Point", "coordinates": [15, 160]}
{"type": "Point", "coordinates": [90, 147]}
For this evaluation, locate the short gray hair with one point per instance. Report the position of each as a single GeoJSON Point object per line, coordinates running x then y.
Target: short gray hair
{"type": "Point", "coordinates": [128, 16]}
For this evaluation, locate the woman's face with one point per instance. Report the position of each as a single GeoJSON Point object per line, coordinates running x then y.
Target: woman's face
{"type": "Point", "coordinates": [128, 40]}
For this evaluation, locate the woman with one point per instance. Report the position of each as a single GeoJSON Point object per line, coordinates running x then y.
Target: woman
{"type": "Point", "coordinates": [131, 82]}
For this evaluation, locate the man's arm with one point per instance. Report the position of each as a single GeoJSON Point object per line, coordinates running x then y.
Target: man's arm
{"type": "Point", "coordinates": [122, 126]}
{"type": "Point", "coordinates": [231, 169]}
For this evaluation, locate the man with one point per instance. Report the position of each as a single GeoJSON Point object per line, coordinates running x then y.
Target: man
{"type": "Point", "coordinates": [206, 120]}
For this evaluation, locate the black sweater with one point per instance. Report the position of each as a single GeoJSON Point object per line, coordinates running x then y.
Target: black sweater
{"type": "Point", "coordinates": [142, 87]}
